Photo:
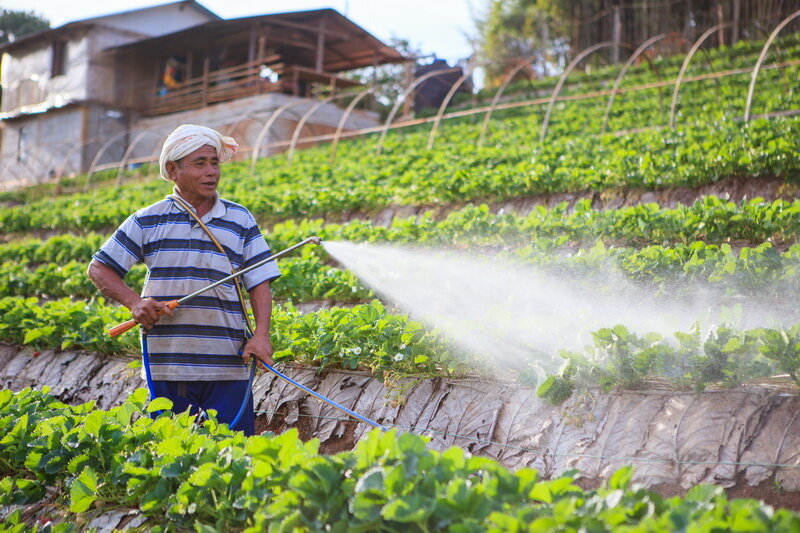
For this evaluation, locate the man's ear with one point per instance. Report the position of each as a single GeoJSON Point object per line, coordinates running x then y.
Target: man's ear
{"type": "Point", "coordinates": [172, 169]}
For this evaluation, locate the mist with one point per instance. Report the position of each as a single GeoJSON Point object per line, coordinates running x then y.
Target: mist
{"type": "Point", "coordinates": [520, 316]}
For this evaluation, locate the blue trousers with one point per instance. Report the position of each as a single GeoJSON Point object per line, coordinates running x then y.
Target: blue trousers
{"type": "Point", "coordinates": [225, 397]}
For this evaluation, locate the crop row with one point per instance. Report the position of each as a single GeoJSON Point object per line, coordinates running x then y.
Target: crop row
{"type": "Point", "coordinates": [369, 337]}
{"type": "Point", "coordinates": [304, 279]}
{"type": "Point", "coordinates": [183, 476]}
{"type": "Point", "coordinates": [710, 219]}
{"type": "Point", "coordinates": [678, 270]}
{"type": "Point", "coordinates": [702, 100]}
{"type": "Point", "coordinates": [571, 243]}
{"type": "Point", "coordinates": [409, 174]}
{"type": "Point", "coordinates": [646, 98]}
{"type": "Point", "coordinates": [694, 360]}
{"type": "Point", "coordinates": [741, 55]}
{"type": "Point", "coordinates": [366, 336]}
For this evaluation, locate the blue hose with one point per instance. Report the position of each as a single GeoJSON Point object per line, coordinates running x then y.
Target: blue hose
{"type": "Point", "coordinates": [146, 363]}
{"type": "Point", "coordinates": [324, 399]}
{"type": "Point", "coordinates": [247, 393]}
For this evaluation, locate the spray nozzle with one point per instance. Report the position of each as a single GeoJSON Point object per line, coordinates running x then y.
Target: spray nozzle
{"type": "Point", "coordinates": [315, 240]}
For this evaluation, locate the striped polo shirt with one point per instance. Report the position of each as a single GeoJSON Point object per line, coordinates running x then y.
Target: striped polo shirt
{"type": "Point", "coordinates": [201, 341]}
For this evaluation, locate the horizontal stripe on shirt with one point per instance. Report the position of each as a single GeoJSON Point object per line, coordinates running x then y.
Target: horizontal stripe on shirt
{"type": "Point", "coordinates": [205, 302]}
{"type": "Point", "coordinates": [188, 272]}
{"type": "Point", "coordinates": [129, 245]}
{"type": "Point", "coordinates": [196, 330]}
{"type": "Point", "coordinates": [189, 245]}
{"type": "Point", "coordinates": [195, 360]}
{"type": "Point", "coordinates": [109, 261]}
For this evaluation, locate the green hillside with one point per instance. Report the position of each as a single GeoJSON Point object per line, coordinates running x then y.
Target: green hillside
{"type": "Point", "coordinates": [737, 249]}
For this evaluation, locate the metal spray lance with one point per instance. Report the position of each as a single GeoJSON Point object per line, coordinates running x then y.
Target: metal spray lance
{"type": "Point", "coordinates": [125, 326]}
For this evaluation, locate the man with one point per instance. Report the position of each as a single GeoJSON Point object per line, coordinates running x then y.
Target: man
{"type": "Point", "coordinates": [199, 352]}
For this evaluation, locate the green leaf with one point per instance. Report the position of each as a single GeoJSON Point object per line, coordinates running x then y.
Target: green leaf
{"type": "Point", "coordinates": [37, 333]}
{"type": "Point", "coordinates": [83, 491]}
{"type": "Point", "coordinates": [93, 422]}
{"type": "Point", "coordinates": [76, 463]}
{"type": "Point", "coordinates": [159, 404]}
{"type": "Point", "coordinates": [171, 447]}
{"type": "Point", "coordinates": [411, 509]}
{"type": "Point", "coordinates": [621, 478]}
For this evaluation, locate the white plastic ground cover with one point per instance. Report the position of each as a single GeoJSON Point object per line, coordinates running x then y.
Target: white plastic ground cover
{"type": "Point", "coordinates": [672, 438]}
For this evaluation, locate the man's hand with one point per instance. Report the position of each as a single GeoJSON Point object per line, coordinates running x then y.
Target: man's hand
{"type": "Point", "coordinates": [147, 311]}
{"type": "Point", "coordinates": [259, 345]}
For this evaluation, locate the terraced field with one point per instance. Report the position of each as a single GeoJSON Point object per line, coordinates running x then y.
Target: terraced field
{"type": "Point", "coordinates": [581, 204]}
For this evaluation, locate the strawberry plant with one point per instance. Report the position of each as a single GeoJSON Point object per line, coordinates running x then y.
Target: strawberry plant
{"type": "Point", "coordinates": [181, 475]}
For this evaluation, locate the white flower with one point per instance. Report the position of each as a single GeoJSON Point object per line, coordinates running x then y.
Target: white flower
{"type": "Point", "coordinates": [357, 350]}
{"type": "Point", "coordinates": [399, 357]}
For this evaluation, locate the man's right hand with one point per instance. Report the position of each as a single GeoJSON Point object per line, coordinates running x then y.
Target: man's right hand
{"type": "Point", "coordinates": [147, 311]}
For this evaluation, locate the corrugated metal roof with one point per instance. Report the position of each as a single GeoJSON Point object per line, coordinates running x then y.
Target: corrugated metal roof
{"type": "Point", "coordinates": [348, 46]}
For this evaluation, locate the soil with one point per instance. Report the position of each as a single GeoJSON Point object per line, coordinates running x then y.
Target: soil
{"type": "Point", "coordinates": [305, 429]}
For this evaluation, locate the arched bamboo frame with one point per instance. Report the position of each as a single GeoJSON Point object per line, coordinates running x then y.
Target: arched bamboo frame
{"type": "Point", "coordinates": [267, 125]}
{"type": "Point", "coordinates": [410, 89]}
{"type": "Point", "coordinates": [8, 168]}
{"type": "Point", "coordinates": [572, 64]}
{"type": "Point", "coordinates": [26, 167]}
{"type": "Point", "coordinates": [241, 119]}
{"type": "Point", "coordinates": [496, 98]}
{"type": "Point", "coordinates": [65, 159]}
{"type": "Point", "coordinates": [44, 158]}
{"type": "Point", "coordinates": [450, 94]}
{"type": "Point", "coordinates": [99, 154]}
{"type": "Point", "coordinates": [628, 64]}
{"type": "Point", "coordinates": [31, 156]}
{"type": "Point", "coordinates": [302, 122]}
{"type": "Point", "coordinates": [128, 152]}
{"type": "Point", "coordinates": [688, 59]}
{"type": "Point", "coordinates": [761, 57]}
{"type": "Point", "coordinates": [343, 120]}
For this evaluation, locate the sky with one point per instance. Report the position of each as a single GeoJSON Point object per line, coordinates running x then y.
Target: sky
{"type": "Point", "coordinates": [432, 26]}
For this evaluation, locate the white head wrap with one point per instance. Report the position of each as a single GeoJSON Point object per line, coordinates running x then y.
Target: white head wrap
{"type": "Point", "coordinates": [187, 138]}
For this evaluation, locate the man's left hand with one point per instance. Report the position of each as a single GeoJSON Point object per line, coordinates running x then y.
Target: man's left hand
{"type": "Point", "coordinates": [261, 347]}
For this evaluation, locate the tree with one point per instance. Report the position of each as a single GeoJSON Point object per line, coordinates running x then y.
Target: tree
{"type": "Point", "coordinates": [515, 29]}
{"type": "Point", "coordinates": [15, 24]}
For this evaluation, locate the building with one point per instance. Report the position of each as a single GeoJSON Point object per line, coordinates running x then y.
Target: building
{"type": "Point", "coordinates": [433, 90]}
{"type": "Point", "coordinates": [107, 89]}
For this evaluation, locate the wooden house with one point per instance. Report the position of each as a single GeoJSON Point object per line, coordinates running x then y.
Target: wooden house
{"type": "Point", "coordinates": [99, 91]}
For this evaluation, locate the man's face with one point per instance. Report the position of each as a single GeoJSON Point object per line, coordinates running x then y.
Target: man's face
{"type": "Point", "coordinates": [196, 176]}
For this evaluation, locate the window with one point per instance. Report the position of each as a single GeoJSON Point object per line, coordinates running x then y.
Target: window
{"type": "Point", "coordinates": [59, 59]}
{"type": "Point", "coordinates": [22, 145]}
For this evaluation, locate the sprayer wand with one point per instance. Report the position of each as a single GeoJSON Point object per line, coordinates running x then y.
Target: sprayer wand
{"type": "Point", "coordinates": [119, 329]}
{"type": "Point", "coordinates": [125, 326]}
